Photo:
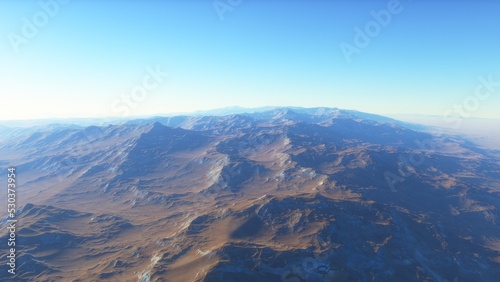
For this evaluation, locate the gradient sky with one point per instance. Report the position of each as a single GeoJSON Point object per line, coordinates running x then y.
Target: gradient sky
{"type": "Point", "coordinates": [263, 53]}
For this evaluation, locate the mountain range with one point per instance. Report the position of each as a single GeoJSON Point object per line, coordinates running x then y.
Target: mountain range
{"type": "Point", "coordinates": [280, 194]}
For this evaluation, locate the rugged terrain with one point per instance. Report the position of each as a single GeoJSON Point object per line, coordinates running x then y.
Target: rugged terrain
{"type": "Point", "coordinates": [287, 194]}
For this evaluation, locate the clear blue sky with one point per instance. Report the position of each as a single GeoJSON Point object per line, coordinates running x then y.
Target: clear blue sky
{"type": "Point", "coordinates": [263, 53]}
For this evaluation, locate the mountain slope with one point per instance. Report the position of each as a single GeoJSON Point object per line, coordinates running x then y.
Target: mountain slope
{"type": "Point", "coordinates": [281, 195]}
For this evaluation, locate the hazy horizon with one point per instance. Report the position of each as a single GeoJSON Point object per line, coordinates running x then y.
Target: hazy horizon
{"type": "Point", "coordinates": [396, 115]}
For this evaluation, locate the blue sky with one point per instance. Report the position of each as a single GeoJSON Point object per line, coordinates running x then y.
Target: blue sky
{"type": "Point", "coordinates": [89, 57]}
